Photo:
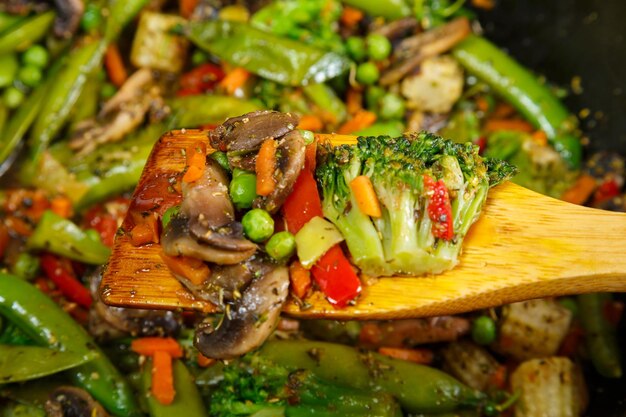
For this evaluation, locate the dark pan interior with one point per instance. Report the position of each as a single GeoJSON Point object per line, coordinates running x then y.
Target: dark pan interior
{"type": "Point", "coordinates": [562, 39]}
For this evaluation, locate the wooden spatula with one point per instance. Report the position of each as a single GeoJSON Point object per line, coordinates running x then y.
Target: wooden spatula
{"type": "Point", "coordinates": [524, 246]}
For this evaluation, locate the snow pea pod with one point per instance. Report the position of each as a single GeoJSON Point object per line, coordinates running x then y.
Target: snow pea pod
{"type": "Point", "coordinates": [418, 389]}
{"type": "Point", "coordinates": [284, 61]}
{"type": "Point", "coordinates": [8, 69]}
{"type": "Point", "coordinates": [63, 94]}
{"type": "Point", "coordinates": [46, 323]}
{"type": "Point", "coordinates": [389, 9]}
{"type": "Point", "coordinates": [61, 236]}
{"type": "Point", "coordinates": [23, 34]}
{"type": "Point", "coordinates": [23, 363]}
{"type": "Point", "coordinates": [325, 98]}
{"type": "Point", "coordinates": [121, 12]}
{"type": "Point", "coordinates": [198, 110]}
{"type": "Point", "coordinates": [524, 91]}
{"type": "Point", "coordinates": [7, 21]}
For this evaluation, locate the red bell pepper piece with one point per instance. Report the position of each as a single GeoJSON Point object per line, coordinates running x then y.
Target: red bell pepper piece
{"type": "Point", "coordinates": [439, 208]}
{"type": "Point", "coordinates": [65, 281]}
{"type": "Point", "coordinates": [606, 191]}
{"type": "Point", "coordinates": [333, 273]}
{"type": "Point", "coordinates": [200, 79]}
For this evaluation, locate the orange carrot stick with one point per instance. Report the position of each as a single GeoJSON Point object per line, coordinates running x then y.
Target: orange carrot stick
{"type": "Point", "coordinates": [115, 66]}
{"type": "Point", "coordinates": [581, 190]}
{"type": "Point", "coordinates": [365, 196]}
{"type": "Point", "coordinates": [146, 231]}
{"type": "Point", "coordinates": [187, 7]}
{"type": "Point", "coordinates": [360, 120]}
{"type": "Point", "coordinates": [517, 125]}
{"type": "Point", "coordinates": [205, 362]}
{"type": "Point", "coordinates": [193, 269]}
{"type": "Point", "coordinates": [300, 279]}
{"type": "Point", "coordinates": [234, 80]}
{"type": "Point", "coordinates": [351, 16]}
{"type": "Point", "coordinates": [61, 206]}
{"type": "Point", "coordinates": [196, 162]}
{"type": "Point", "coordinates": [311, 122]}
{"type": "Point", "coordinates": [265, 167]}
{"type": "Point", "coordinates": [162, 377]}
{"type": "Point", "coordinates": [421, 356]}
{"type": "Point", "coordinates": [310, 156]}
{"type": "Point", "coordinates": [148, 346]}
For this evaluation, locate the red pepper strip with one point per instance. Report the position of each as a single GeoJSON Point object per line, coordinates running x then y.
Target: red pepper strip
{"type": "Point", "coordinates": [65, 281]}
{"type": "Point", "coordinates": [439, 208]}
{"type": "Point", "coordinates": [200, 79]}
{"type": "Point", "coordinates": [606, 191]}
{"type": "Point", "coordinates": [333, 273]}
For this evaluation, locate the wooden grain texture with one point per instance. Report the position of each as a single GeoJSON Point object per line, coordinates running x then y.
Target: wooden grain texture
{"type": "Point", "coordinates": [524, 246]}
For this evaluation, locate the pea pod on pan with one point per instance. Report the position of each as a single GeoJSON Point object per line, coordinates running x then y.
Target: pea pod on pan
{"type": "Point", "coordinates": [26, 32]}
{"type": "Point", "coordinates": [284, 61]}
{"type": "Point", "coordinates": [389, 9]}
{"type": "Point", "coordinates": [524, 91]}
{"type": "Point", "coordinates": [7, 21]}
{"type": "Point", "coordinates": [121, 12]}
{"type": "Point", "coordinates": [46, 323]}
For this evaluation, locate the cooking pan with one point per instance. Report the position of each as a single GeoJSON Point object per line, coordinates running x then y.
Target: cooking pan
{"type": "Point", "coordinates": [567, 41]}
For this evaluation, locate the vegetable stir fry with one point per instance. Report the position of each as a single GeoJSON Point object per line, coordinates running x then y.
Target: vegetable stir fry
{"type": "Point", "coordinates": [88, 87]}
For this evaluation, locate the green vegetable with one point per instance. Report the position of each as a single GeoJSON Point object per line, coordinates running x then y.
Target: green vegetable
{"type": "Point", "coordinates": [401, 241]}
{"type": "Point", "coordinates": [22, 363]}
{"type": "Point", "coordinates": [325, 98]}
{"type": "Point", "coordinates": [570, 304]}
{"type": "Point", "coordinates": [121, 12]}
{"type": "Point", "coordinates": [222, 159]}
{"type": "Point", "coordinates": [8, 69]}
{"type": "Point", "coordinates": [524, 91]}
{"type": "Point", "coordinates": [433, 13]}
{"type": "Point", "coordinates": [10, 334]}
{"type": "Point", "coordinates": [256, 386]}
{"type": "Point", "coordinates": [108, 90]}
{"type": "Point", "coordinates": [378, 46]}
{"type": "Point", "coordinates": [484, 330]}
{"type": "Point", "coordinates": [30, 75]}
{"type": "Point", "coordinates": [156, 46]}
{"type": "Point", "coordinates": [58, 235]}
{"type": "Point", "coordinates": [418, 389]}
{"type": "Point", "coordinates": [314, 239]}
{"type": "Point", "coordinates": [367, 73]}
{"type": "Point", "coordinates": [199, 57]}
{"type": "Point", "coordinates": [258, 225]}
{"type": "Point", "coordinates": [37, 56]}
{"type": "Point", "coordinates": [281, 60]}
{"type": "Point", "coordinates": [242, 189]}
{"type": "Point", "coordinates": [169, 213]}
{"type": "Point", "coordinates": [600, 335]}
{"type": "Point", "coordinates": [92, 19]}
{"type": "Point", "coordinates": [388, 128]}
{"type": "Point", "coordinates": [187, 401]}
{"type": "Point", "coordinates": [26, 266]}
{"type": "Point", "coordinates": [373, 95]}
{"type": "Point", "coordinates": [12, 97]}
{"type": "Point", "coordinates": [26, 33]}
{"type": "Point", "coordinates": [46, 323]}
{"type": "Point", "coordinates": [392, 106]}
{"type": "Point", "coordinates": [356, 48]}
{"type": "Point", "coordinates": [389, 9]}
{"type": "Point", "coordinates": [308, 136]}
{"type": "Point", "coordinates": [281, 246]}
{"type": "Point", "coordinates": [87, 104]}
{"type": "Point", "coordinates": [198, 110]}
{"type": "Point", "coordinates": [7, 21]}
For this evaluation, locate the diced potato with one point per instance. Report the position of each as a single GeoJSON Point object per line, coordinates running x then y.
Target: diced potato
{"type": "Point", "coordinates": [470, 363]}
{"type": "Point", "coordinates": [533, 329]}
{"type": "Point", "coordinates": [437, 87]}
{"type": "Point", "coordinates": [155, 46]}
{"type": "Point", "coordinates": [550, 387]}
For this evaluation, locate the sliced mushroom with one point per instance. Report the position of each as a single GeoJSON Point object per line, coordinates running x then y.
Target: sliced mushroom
{"type": "Point", "coordinates": [177, 240]}
{"type": "Point", "coordinates": [290, 154]}
{"type": "Point", "coordinates": [68, 17]}
{"type": "Point", "coordinates": [249, 321]}
{"type": "Point", "coordinates": [246, 133]}
{"type": "Point", "coordinates": [73, 402]}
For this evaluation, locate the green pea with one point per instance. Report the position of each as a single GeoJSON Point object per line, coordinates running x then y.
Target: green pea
{"type": "Point", "coordinates": [378, 47]}
{"type": "Point", "coordinates": [169, 213]}
{"type": "Point", "coordinates": [373, 96]}
{"type": "Point", "coordinates": [92, 18]}
{"type": "Point", "coordinates": [222, 159]}
{"type": "Point", "coordinates": [26, 266]}
{"type": "Point", "coordinates": [258, 225]}
{"type": "Point", "coordinates": [570, 304]}
{"type": "Point", "coordinates": [30, 75]}
{"type": "Point", "coordinates": [199, 57]}
{"type": "Point", "coordinates": [281, 246]}
{"type": "Point", "coordinates": [308, 136]}
{"type": "Point", "coordinates": [243, 189]}
{"type": "Point", "coordinates": [108, 90]}
{"type": "Point", "coordinates": [484, 330]}
{"type": "Point", "coordinates": [367, 73]}
{"type": "Point", "coordinates": [8, 69]}
{"type": "Point", "coordinates": [392, 106]}
{"type": "Point", "coordinates": [356, 48]}
{"type": "Point", "coordinates": [36, 56]}
{"type": "Point", "coordinates": [13, 97]}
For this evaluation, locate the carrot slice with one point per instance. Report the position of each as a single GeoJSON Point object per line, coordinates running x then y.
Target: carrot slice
{"type": "Point", "coordinates": [115, 66]}
{"type": "Point", "coordinates": [365, 196]}
{"type": "Point", "coordinates": [517, 125]}
{"type": "Point", "coordinates": [62, 206]}
{"type": "Point", "coordinates": [311, 122]}
{"type": "Point", "coordinates": [234, 80]}
{"type": "Point", "coordinates": [360, 120]}
{"type": "Point", "coordinates": [196, 161]}
{"type": "Point", "coordinates": [265, 167]}
{"type": "Point", "coordinates": [145, 231]}
{"type": "Point", "coordinates": [421, 356]}
{"type": "Point", "coordinates": [581, 190]}
{"type": "Point", "coordinates": [193, 269]}
{"type": "Point", "coordinates": [187, 7]}
{"type": "Point", "coordinates": [204, 362]}
{"type": "Point", "coordinates": [350, 16]}
{"type": "Point", "coordinates": [300, 279]}
{"type": "Point", "coordinates": [162, 378]}
{"type": "Point", "coordinates": [148, 346]}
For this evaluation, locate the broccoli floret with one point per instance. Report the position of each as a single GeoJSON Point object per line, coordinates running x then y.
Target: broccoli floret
{"type": "Point", "coordinates": [254, 384]}
{"type": "Point", "coordinates": [431, 190]}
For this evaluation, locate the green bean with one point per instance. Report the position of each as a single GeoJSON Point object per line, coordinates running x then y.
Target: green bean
{"type": "Point", "coordinates": [419, 389]}
{"type": "Point", "coordinates": [389, 9]}
{"type": "Point", "coordinates": [8, 69]}
{"type": "Point", "coordinates": [87, 105]}
{"type": "Point", "coordinates": [46, 323]}
{"type": "Point", "coordinates": [325, 98]}
{"type": "Point", "coordinates": [121, 12]}
{"type": "Point", "coordinates": [26, 33]}
{"type": "Point", "coordinates": [22, 363]}
{"type": "Point", "coordinates": [187, 402]}
{"type": "Point", "coordinates": [600, 335]}
{"type": "Point", "coordinates": [524, 91]}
